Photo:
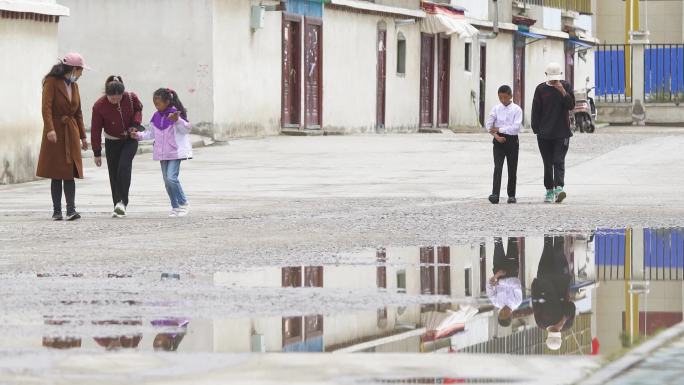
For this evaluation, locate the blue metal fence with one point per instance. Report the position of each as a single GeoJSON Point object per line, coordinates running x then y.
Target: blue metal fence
{"type": "Point", "coordinates": [611, 73]}
{"type": "Point", "coordinates": [664, 72]}
{"type": "Point", "coordinates": [609, 247]}
{"type": "Point", "coordinates": [663, 253]}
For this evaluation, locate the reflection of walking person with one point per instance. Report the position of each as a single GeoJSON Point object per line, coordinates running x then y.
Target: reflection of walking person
{"type": "Point", "coordinates": [170, 341]}
{"type": "Point", "coordinates": [552, 102]}
{"type": "Point", "coordinates": [116, 113]}
{"type": "Point", "coordinates": [504, 123]}
{"type": "Point", "coordinates": [63, 133]}
{"type": "Point", "coordinates": [170, 131]}
{"type": "Point", "coordinates": [553, 309]}
{"type": "Point", "coordinates": [504, 288]}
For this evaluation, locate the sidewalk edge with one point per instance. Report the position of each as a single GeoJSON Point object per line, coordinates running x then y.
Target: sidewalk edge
{"type": "Point", "coordinates": [635, 356]}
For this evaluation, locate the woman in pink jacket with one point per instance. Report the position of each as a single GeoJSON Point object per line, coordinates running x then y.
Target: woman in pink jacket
{"type": "Point", "coordinates": [170, 130]}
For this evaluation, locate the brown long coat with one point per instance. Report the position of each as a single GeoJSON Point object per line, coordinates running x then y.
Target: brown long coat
{"type": "Point", "coordinates": [58, 160]}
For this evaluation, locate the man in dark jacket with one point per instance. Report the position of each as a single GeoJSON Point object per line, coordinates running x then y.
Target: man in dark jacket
{"type": "Point", "coordinates": [553, 101]}
{"type": "Point", "coordinates": [553, 309]}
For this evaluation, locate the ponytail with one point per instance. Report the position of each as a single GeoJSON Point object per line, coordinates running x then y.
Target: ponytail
{"type": "Point", "coordinates": [170, 96]}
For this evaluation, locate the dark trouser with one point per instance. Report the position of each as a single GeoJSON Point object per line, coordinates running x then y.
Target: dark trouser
{"type": "Point", "coordinates": [120, 154]}
{"type": "Point", "coordinates": [508, 151]}
{"type": "Point", "coordinates": [553, 261]}
{"type": "Point", "coordinates": [509, 261]}
{"type": "Point", "coordinates": [553, 153]}
{"type": "Point", "coordinates": [69, 194]}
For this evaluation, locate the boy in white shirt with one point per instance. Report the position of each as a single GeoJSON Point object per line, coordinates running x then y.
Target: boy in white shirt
{"type": "Point", "coordinates": [504, 123]}
{"type": "Point", "coordinates": [504, 288]}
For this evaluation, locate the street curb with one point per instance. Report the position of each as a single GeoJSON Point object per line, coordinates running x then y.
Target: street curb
{"type": "Point", "coordinates": [634, 357]}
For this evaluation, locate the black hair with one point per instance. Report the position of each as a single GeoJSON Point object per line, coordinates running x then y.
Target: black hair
{"type": "Point", "coordinates": [505, 89]}
{"type": "Point", "coordinates": [170, 96]}
{"type": "Point", "coordinates": [114, 86]}
{"type": "Point", "coordinates": [58, 71]}
{"type": "Point", "coordinates": [505, 322]}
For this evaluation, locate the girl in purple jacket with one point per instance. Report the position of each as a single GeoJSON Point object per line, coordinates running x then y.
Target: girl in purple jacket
{"type": "Point", "coordinates": [170, 130]}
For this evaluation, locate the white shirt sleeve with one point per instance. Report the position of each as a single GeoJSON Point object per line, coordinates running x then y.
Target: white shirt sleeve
{"type": "Point", "coordinates": [513, 127]}
{"type": "Point", "coordinates": [491, 118]}
{"type": "Point", "coordinates": [491, 290]}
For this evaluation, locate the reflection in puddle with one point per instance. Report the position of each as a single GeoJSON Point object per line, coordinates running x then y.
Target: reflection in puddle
{"type": "Point", "coordinates": [440, 380]}
{"type": "Point", "coordinates": [556, 294]}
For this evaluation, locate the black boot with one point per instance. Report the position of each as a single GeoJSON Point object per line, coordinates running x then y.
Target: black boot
{"type": "Point", "coordinates": [70, 195]}
{"type": "Point", "coordinates": [56, 192]}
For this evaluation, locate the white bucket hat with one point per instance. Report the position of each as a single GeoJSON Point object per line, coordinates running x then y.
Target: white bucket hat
{"type": "Point", "coordinates": [554, 72]}
{"type": "Point", "coordinates": [554, 340]}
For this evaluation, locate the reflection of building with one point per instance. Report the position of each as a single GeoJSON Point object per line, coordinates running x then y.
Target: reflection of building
{"type": "Point", "coordinates": [641, 288]}
{"type": "Point", "coordinates": [609, 310]}
{"type": "Point", "coordinates": [644, 254]}
{"type": "Point", "coordinates": [531, 340]}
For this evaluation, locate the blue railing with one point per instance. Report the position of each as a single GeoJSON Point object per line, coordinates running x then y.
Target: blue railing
{"type": "Point", "coordinates": [664, 72]}
{"type": "Point", "coordinates": [610, 72]}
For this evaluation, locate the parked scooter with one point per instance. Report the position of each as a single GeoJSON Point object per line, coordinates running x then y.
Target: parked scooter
{"type": "Point", "coordinates": [584, 114]}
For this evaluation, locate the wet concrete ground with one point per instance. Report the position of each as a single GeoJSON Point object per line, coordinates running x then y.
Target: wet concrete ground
{"type": "Point", "coordinates": [259, 207]}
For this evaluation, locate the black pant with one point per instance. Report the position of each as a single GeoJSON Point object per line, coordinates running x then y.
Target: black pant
{"type": "Point", "coordinates": [69, 193]}
{"type": "Point", "coordinates": [508, 151]}
{"type": "Point", "coordinates": [553, 261]}
{"type": "Point", "coordinates": [553, 153]}
{"type": "Point", "coordinates": [120, 154]}
{"type": "Point", "coordinates": [508, 261]}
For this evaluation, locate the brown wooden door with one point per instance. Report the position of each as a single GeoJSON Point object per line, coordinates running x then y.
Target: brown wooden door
{"type": "Point", "coordinates": [427, 66]}
{"type": "Point", "coordinates": [313, 67]}
{"type": "Point", "coordinates": [291, 77]}
{"type": "Point", "coordinates": [519, 71]}
{"type": "Point", "coordinates": [443, 80]}
{"type": "Point", "coordinates": [483, 83]}
{"type": "Point", "coordinates": [382, 78]}
{"type": "Point", "coordinates": [292, 276]}
{"type": "Point", "coordinates": [427, 270]}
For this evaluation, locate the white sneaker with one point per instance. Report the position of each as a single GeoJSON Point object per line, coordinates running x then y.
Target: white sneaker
{"type": "Point", "coordinates": [181, 212]}
{"type": "Point", "coordinates": [173, 213]}
{"type": "Point", "coordinates": [120, 209]}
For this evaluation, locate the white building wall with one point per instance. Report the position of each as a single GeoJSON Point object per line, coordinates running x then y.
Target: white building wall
{"type": "Point", "coordinates": [350, 73]}
{"type": "Point", "coordinates": [462, 112]}
{"type": "Point", "coordinates": [246, 71]}
{"type": "Point", "coordinates": [499, 67]}
{"type": "Point", "coordinates": [551, 18]}
{"type": "Point", "coordinates": [537, 56]}
{"type": "Point", "coordinates": [29, 49]}
{"type": "Point", "coordinates": [349, 70]}
{"type": "Point", "coordinates": [165, 43]}
{"type": "Point", "coordinates": [402, 111]}
{"type": "Point", "coordinates": [476, 9]}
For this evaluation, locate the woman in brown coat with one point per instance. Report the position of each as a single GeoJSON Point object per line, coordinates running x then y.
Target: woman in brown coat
{"type": "Point", "coordinates": [63, 133]}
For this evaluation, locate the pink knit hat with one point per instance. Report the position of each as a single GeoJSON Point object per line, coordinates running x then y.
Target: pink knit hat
{"type": "Point", "coordinates": [75, 60]}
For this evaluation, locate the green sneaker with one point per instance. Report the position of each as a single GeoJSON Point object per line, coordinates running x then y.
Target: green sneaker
{"type": "Point", "coordinates": [560, 194]}
{"type": "Point", "coordinates": [548, 198]}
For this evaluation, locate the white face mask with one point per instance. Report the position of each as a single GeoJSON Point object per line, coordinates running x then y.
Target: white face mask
{"type": "Point", "coordinates": [72, 78]}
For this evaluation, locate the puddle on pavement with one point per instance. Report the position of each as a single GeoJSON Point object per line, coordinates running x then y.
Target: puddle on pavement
{"type": "Point", "coordinates": [441, 380]}
{"type": "Point", "coordinates": [581, 294]}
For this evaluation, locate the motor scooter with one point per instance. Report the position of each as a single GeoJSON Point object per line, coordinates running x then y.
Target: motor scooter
{"type": "Point", "coordinates": [584, 114]}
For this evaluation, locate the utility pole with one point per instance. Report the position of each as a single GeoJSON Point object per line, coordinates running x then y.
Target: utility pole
{"type": "Point", "coordinates": [631, 25]}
